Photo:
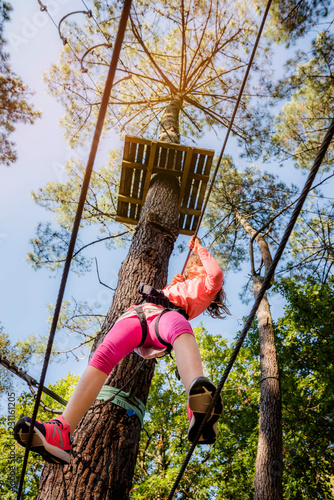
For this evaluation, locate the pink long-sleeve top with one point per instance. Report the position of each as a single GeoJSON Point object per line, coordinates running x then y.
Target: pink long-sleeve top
{"type": "Point", "coordinates": [196, 294]}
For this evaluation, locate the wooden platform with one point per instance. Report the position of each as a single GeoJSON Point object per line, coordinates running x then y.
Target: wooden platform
{"type": "Point", "coordinates": [144, 157]}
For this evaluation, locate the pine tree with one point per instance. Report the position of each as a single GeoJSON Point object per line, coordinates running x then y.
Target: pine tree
{"type": "Point", "coordinates": [14, 97]}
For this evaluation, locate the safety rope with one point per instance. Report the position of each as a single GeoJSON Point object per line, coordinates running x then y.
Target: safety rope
{"type": "Point", "coordinates": [265, 285]}
{"type": "Point", "coordinates": [229, 127]}
{"type": "Point", "coordinates": [84, 189]}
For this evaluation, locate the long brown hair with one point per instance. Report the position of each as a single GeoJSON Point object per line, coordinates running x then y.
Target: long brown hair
{"type": "Point", "coordinates": [218, 308]}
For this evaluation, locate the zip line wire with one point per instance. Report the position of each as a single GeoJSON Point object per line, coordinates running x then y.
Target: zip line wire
{"type": "Point", "coordinates": [265, 285]}
{"type": "Point", "coordinates": [84, 189]}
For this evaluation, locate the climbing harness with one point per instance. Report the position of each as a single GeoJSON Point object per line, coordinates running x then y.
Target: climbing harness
{"type": "Point", "coordinates": [152, 296]}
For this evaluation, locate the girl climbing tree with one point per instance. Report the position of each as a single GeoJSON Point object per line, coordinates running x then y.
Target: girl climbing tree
{"type": "Point", "coordinates": [148, 331]}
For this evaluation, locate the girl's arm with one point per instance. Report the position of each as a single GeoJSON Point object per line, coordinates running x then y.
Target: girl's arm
{"type": "Point", "coordinates": [214, 274]}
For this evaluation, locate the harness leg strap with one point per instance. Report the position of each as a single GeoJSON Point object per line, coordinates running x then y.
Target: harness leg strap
{"type": "Point", "coordinates": [169, 347]}
{"type": "Point", "coordinates": [143, 323]}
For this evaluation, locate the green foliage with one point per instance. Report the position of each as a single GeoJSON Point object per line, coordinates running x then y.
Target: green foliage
{"type": "Point", "coordinates": [290, 20]}
{"type": "Point", "coordinates": [311, 243]}
{"type": "Point", "coordinates": [163, 58]}
{"type": "Point", "coordinates": [305, 346]}
{"type": "Point", "coordinates": [49, 247]}
{"type": "Point", "coordinates": [302, 123]}
{"type": "Point", "coordinates": [78, 325]}
{"type": "Point", "coordinates": [254, 195]}
{"type": "Point", "coordinates": [12, 453]}
{"type": "Point", "coordinates": [23, 353]}
{"type": "Point", "coordinates": [14, 97]}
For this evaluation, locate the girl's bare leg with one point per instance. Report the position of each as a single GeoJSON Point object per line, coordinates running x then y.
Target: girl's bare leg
{"type": "Point", "coordinates": [188, 358]}
{"type": "Point", "coordinates": [84, 395]}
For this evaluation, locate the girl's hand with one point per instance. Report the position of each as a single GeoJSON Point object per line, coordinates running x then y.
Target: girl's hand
{"type": "Point", "coordinates": [195, 244]}
{"type": "Point", "coordinates": [177, 279]}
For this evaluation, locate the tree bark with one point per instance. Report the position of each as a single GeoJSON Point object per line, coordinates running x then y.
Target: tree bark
{"type": "Point", "coordinates": [169, 131]}
{"type": "Point", "coordinates": [269, 465]}
{"type": "Point", "coordinates": [106, 440]}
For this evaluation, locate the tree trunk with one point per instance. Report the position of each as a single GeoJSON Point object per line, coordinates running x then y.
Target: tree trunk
{"type": "Point", "coordinates": [106, 440]}
{"type": "Point", "coordinates": [269, 465]}
{"type": "Point", "coordinates": [169, 131]}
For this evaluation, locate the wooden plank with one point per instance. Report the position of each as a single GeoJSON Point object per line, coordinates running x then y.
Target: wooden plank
{"type": "Point", "coordinates": [192, 193]}
{"type": "Point", "coordinates": [134, 165]}
{"type": "Point", "coordinates": [185, 176]}
{"type": "Point", "coordinates": [128, 172]}
{"type": "Point", "coordinates": [138, 140]}
{"type": "Point", "coordinates": [206, 152]}
{"type": "Point", "coordinates": [189, 232]}
{"type": "Point", "coordinates": [129, 199]}
{"type": "Point", "coordinates": [149, 169]}
{"type": "Point", "coordinates": [122, 181]}
{"type": "Point", "coordinates": [194, 223]}
{"type": "Point", "coordinates": [180, 158]}
{"type": "Point", "coordinates": [195, 184]}
{"type": "Point", "coordinates": [175, 173]}
{"type": "Point", "coordinates": [140, 154]}
{"type": "Point", "coordinates": [208, 164]}
{"type": "Point", "coordinates": [187, 222]}
{"type": "Point", "coordinates": [126, 179]}
{"type": "Point", "coordinates": [126, 220]}
{"type": "Point", "coordinates": [161, 163]}
{"type": "Point", "coordinates": [136, 180]}
{"type": "Point", "coordinates": [172, 145]}
{"type": "Point", "coordinates": [181, 220]}
{"type": "Point", "coordinates": [200, 164]}
{"type": "Point", "coordinates": [190, 211]}
{"type": "Point", "coordinates": [203, 186]}
{"type": "Point", "coordinates": [198, 177]}
{"type": "Point", "coordinates": [147, 149]}
{"type": "Point", "coordinates": [122, 209]}
{"type": "Point", "coordinates": [137, 211]}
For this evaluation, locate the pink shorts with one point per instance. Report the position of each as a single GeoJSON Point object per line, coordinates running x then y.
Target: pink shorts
{"type": "Point", "coordinates": [126, 335]}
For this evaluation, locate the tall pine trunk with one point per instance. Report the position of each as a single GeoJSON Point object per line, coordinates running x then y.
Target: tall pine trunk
{"type": "Point", "coordinates": [106, 440]}
{"type": "Point", "coordinates": [269, 466]}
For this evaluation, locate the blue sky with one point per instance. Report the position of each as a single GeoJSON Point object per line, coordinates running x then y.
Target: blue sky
{"type": "Point", "coordinates": [24, 295]}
